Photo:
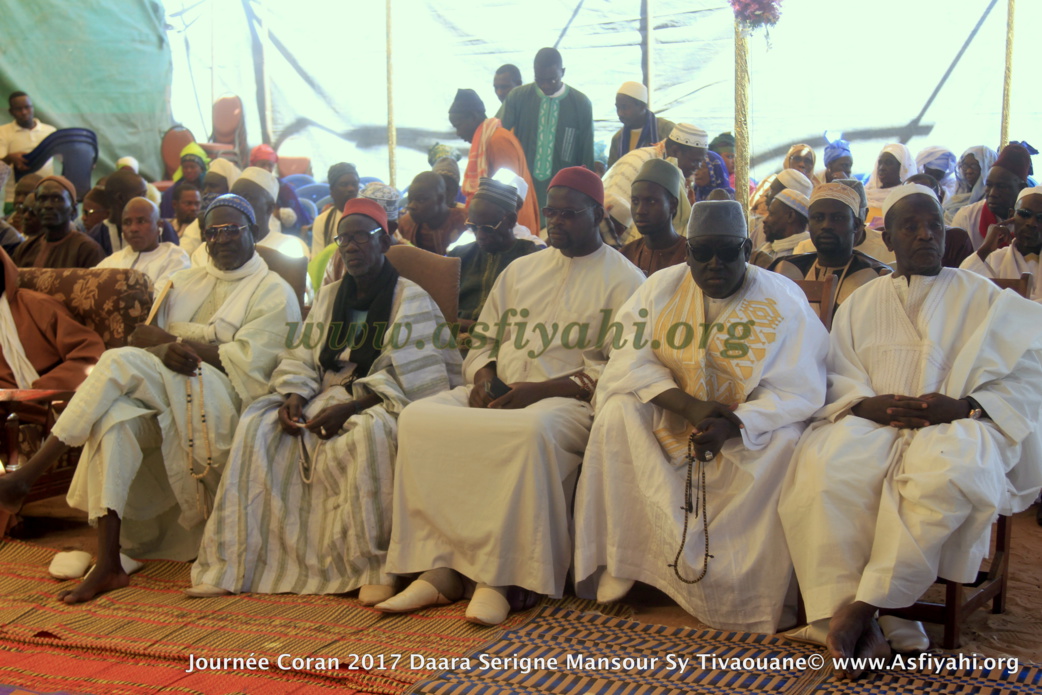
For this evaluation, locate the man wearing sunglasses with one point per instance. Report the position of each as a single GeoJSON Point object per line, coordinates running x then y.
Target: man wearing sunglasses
{"type": "Point", "coordinates": [723, 363]}
{"type": "Point", "coordinates": [1021, 240]}
{"type": "Point", "coordinates": [157, 418]}
{"type": "Point", "coordinates": [491, 218]}
{"type": "Point", "coordinates": [482, 492]}
{"type": "Point", "coordinates": [930, 430]}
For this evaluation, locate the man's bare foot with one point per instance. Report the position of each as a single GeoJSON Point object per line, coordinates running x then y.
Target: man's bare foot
{"type": "Point", "coordinates": [12, 493]}
{"type": "Point", "coordinates": [98, 581]}
{"type": "Point", "coordinates": [854, 633]}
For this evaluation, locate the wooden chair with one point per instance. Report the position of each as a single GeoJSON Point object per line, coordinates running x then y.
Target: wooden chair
{"type": "Point", "coordinates": [1021, 286]}
{"type": "Point", "coordinates": [292, 270]}
{"type": "Point", "coordinates": [438, 275]}
{"type": "Point", "coordinates": [962, 600]}
{"type": "Point", "coordinates": [822, 297]}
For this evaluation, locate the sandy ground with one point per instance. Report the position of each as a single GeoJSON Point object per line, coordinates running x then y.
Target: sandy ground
{"type": "Point", "coordinates": [1017, 632]}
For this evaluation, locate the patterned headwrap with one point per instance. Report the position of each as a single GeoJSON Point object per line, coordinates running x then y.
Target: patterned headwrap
{"type": "Point", "coordinates": [230, 200]}
{"type": "Point", "coordinates": [836, 149]}
{"type": "Point", "coordinates": [439, 150]}
{"type": "Point", "coordinates": [837, 191]}
{"type": "Point", "coordinates": [719, 178]}
{"type": "Point", "coordinates": [800, 149]}
{"type": "Point", "coordinates": [939, 158]}
{"type": "Point", "coordinates": [386, 196]}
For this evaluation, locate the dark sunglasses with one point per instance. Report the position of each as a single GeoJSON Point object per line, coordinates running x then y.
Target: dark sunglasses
{"type": "Point", "coordinates": [1028, 214]}
{"type": "Point", "coordinates": [230, 232]}
{"type": "Point", "coordinates": [486, 228]}
{"type": "Point", "coordinates": [727, 254]}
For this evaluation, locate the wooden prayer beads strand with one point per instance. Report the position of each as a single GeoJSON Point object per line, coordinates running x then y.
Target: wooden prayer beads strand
{"type": "Point", "coordinates": [203, 507]}
{"type": "Point", "coordinates": [691, 460]}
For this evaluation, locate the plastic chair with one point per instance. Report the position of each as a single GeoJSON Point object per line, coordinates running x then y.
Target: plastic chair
{"type": "Point", "coordinates": [320, 205]}
{"type": "Point", "coordinates": [288, 166]}
{"type": "Point", "coordinates": [313, 192]}
{"type": "Point", "coordinates": [174, 140]}
{"type": "Point", "coordinates": [78, 150]}
{"type": "Point", "coordinates": [298, 181]}
{"type": "Point", "coordinates": [310, 207]}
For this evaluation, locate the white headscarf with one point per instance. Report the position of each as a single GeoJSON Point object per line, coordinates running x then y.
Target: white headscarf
{"type": "Point", "coordinates": [877, 194]}
{"type": "Point", "coordinates": [965, 195]}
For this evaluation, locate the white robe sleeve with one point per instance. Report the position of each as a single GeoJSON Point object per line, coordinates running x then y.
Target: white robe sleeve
{"type": "Point", "coordinates": [981, 267]}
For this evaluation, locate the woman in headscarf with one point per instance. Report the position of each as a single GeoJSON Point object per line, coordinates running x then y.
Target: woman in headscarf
{"type": "Point", "coordinates": [969, 176]}
{"type": "Point", "coordinates": [712, 175]}
{"type": "Point", "coordinates": [317, 455]}
{"type": "Point", "coordinates": [194, 164]}
{"type": "Point", "coordinates": [894, 164]}
{"type": "Point", "coordinates": [801, 157]}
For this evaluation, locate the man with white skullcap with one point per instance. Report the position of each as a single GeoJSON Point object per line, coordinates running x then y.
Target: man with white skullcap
{"type": "Point", "coordinates": [1022, 236]}
{"type": "Point", "coordinates": [785, 227]}
{"type": "Point", "coordinates": [833, 217]}
{"type": "Point", "coordinates": [640, 127]}
{"type": "Point", "coordinates": [685, 147]}
{"type": "Point", "coordinates": [698, 413]}
{"type": "Point", "coordinates": [260, 187]}
{"type": "Point", "coordinates": [930, 430]}
{"type": "Point", "coordinates": [764, 196]}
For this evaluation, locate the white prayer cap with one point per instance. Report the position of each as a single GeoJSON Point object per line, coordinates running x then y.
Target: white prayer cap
{"type": "Point", "coordinates": [1024, 193]}
{"type": "Point", "coordinates": [127, 162]}
{"type": "Point", "coordinates": [797, 181]}
{"type": "Point", "coordinates": [618, 208]}
{"type": "Point", "coordinates": [795, 200]}
{"type": "Point", "coordinates": [263, 178]}
{"type": "Point", "coordinates": [689, 135]}
{"type": "Point", "coordinates": [905, 190]}
{"type": "Point", "coordinates": [717, 218]}
{"type": "Point", "coordinates": [222, 167]}
{"type": "Point", "coordinates": [635, 90]}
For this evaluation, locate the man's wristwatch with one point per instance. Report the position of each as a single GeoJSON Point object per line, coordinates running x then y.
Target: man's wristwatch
{"type": "Point", "coordinates": [976, 412]}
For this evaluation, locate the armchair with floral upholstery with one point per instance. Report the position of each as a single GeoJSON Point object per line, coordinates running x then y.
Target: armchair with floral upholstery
{"type": "Point", "coordinates": [109, 301]}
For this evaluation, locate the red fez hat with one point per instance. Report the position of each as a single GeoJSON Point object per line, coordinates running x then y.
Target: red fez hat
{"type": "Point", "coordinates": [1015, 159]}
{"type": "Point", "coordinates": [580, 179]}
{"type": "Point", "coordinates": [263, 153]}
{"type": "Point", "coordinates": [369, 208]}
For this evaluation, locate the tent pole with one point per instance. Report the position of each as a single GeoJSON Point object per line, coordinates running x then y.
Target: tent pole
{"type": "Point", "coordinates": [266, 126]}
{"type": "Point", "coordinates": [741, 117]}
{"type": "Point", "coordinates": [392, 133]}
{"type": "Point", "coordinates": [1007, 80]}
{"type": "Point", "coordinates": [648, 43]}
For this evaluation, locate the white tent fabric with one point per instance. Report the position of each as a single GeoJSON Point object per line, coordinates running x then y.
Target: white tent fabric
{"type": "Point", "coordinates": [869, 71]}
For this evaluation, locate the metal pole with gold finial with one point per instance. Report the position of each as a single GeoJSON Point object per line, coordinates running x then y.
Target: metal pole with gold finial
{"type": "Point", "coordinates": [1007, 79]}
{"type": "Point", "coordinates": [741, 116]}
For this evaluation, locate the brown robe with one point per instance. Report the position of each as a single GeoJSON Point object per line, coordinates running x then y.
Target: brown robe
{"type": "Point", "coordinates": [76, 250]}
{"type": "Point", "coordinates": [434, 239]}
{"type": "Point", "coordinates": [652, 261]}
{"type": "Point", "coordinates": [61, 350]}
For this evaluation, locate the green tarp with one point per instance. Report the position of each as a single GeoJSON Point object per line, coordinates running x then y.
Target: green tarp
{"type": "Point", "coordinates": [92, 64]}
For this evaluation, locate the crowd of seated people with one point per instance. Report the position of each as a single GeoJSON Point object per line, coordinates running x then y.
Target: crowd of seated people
{"type": "Point", "coordinates": [631, 354]}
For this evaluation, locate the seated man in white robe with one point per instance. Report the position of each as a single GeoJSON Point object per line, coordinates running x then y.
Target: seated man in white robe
{"type": "Point", "coordinates": [1022, 235]}
{"type": "Point", "coordinates": [929, 431]}
{"type": "Point", "coordinates": [725, 361]}
{"type": "Point", "coordinates": [483, 492]}
{"type": "Point", "coordinates": [143, 250]}
{"type": "Point", "coordinates": [156, 420]}
{"type": "Point", "coordinates": [784, 227]}
{"type": "Point", "coordinates": [304, 505]}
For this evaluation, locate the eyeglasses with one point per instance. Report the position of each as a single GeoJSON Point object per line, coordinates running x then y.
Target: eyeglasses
{"type": "Point", "coordinates": [486, 228]}
{"type": "Point", "coordinates": [360, 238]}
{"type": "Point", "coordinates": [726, 254]}
{"type": "Point", "coordinates": [1028, 214]}
{"type": "Point", "coordinates": [564, 213]}
{"type": "Point", "coordinates": [230, 232]}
